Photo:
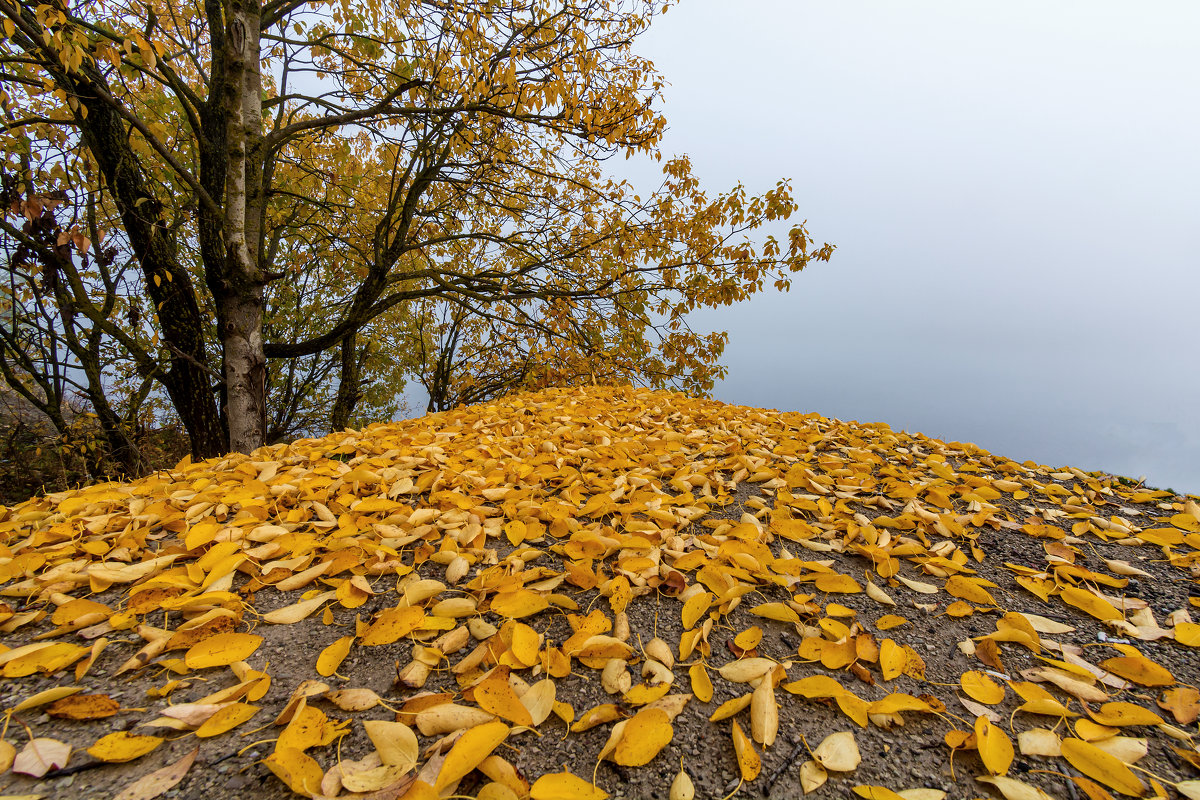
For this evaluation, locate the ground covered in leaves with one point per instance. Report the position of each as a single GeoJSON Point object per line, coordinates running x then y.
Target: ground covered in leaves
{"type": "Point", "coordinates": [603, 592]}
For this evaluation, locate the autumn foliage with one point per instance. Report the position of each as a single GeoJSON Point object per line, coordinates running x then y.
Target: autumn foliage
{"type": "Point", "coordinates": [263, 219]}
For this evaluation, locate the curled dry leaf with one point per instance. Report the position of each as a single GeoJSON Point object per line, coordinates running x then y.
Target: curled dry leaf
{"type": "Point", "coordinates": [838, 752]}
{"type": "Point", "coordinates": [1039, 742]}
{"type": "Point", "coordinates": [764, 714]}
{"type": "Point", "coordinates": [40, 756]}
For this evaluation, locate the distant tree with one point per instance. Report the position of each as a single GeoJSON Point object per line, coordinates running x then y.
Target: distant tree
{"type": "Point", "coordinates": [287, 174]}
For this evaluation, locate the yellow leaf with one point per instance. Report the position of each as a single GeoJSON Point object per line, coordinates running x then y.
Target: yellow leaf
{"type": "Point", "coordinates": [764, 713]}
{"type": "Point", "coordinates": [646, 734]}
{"type": "Point", "coordinates": [917, 586]}
{"type": "Point", "coordinates": [1039, 742]}
{"type": "Point", "coordinates": [289, 615]}
{"type": "Point", "coordinates": [496, 791]}
{"type": "Point", "coordinates": [730, 707]}
{"type": "Point", "coordinates": [1188, 633]}
{"type": "Point", "coordinates": [963, 587]}
{"type": "Point", "coordinates": [1089, 603]}
{"type": "Point", "coordinates": [296, 769]}
{"type": "Point", "coordinates": [1013, 789]}
{"type": "Point", "coordinates": [123, 746]}
{"type": "Point", "coordinates": [749, 764]}
{"type": "Point", "coordinates": [749, 638]}
{"type": "Point", "coordinates": [815, 686]}
{"type": "Point", "coordinates": [84, 706]}
{"type": "Point", "coordinates": [565, 786]}
{"type": "Point", "coordinates": [599, 715]}
{"type": "Point", "coordinates": [701, 684]}
{"type": "Point", "coordinates": [226, 719]}
{"type": "Point", "coordinates": [837, 583]}
{"type": "Point", "coordinates": [995, 749]}
{"type": "Point", "coordinates": [518, 604]}
{"type": "Point", "coordinates": [812, 776]}
{"type": "Point", "coordinates": [495, 695]}
{"type": "Point", "coordinates": [892, 659]}
{"type": "Point", "coordinates": [525, 644]}
{"type": "Point", "coordinates": [982, 688]}
{"type": "Point", "coordinates": [1139, 670]}
{"type": "Point", "coordinates": [1039, 701]}
{"type": "Point", "coordinates": [309, 727]}
{"type": "Point", "coordinates": [1123, 714]}
{"type": "Point", "coordinates": [619, 594]}
{"type": "Point", "coordinates": [515, 530]}
{"type": "Point", "coordinates": [156, 783]}
{"type": "Point", "coordinates": [780, 612]}
{"type": "Point", "coordinates": [393, 625]}
{"type": "Point", "coordinates": [353, 699]}
{"type": "Point", "coordinates": [898, 702]}
{"type": "Point", "coordinates": [642, 694]}
{"type": "Point", "coordinates": [876, 793]}
{"type": "Point", "coordinates": [838, 752]}
{"type": "Point", "coordinates": [539, 700]}
{"type": "Point", "coordinates": [1189, 789]}
{"type": "Point", "coordinates": [40, 657]}
{"type": "Point", "coordinates": [682, 787]}
{"type": "Point", "coordinates": [1186, 522]}
{"type": "Point", "coordinates": [47, 696]}
{"type": "Point", "coordinates": [332, 656]}
{"type": "Point", "coordinates": [889, 621]}
{"type": "Point", "coordinates": [221, 650]}
{"type": "Point", "coordinates": [395, 742]}
{"type": "Point", "coordinates": [469, 752]}
{"type": "Point", "coordinates": [695, 606]}
{"type": "Point", "coordinates": [1100, 766]}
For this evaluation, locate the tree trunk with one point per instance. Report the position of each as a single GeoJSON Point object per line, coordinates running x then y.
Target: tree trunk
{"type": "Point", "coordinates": [245, 369]}
{"type": "Point", "coordinates": [167, 282]}
{"type": "Point", "coordinates": [348, 387]}
{"type": "Point", "coordinates": [240, 301]}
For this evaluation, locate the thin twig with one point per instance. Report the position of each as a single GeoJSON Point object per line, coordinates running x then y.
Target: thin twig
{"type": "Point", "coordinates": [218, 377]}
{"type": "Point", "coordinates": [784, 767]}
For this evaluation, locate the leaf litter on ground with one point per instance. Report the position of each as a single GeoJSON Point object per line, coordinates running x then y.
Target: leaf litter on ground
{"type": "Point", "coordinates": [598, 575]}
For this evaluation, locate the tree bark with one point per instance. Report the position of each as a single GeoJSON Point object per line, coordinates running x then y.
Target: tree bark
{"type": "Point", "coordinates": [348, 387]}
{"type": "Point", "coordinates": [240, 294]}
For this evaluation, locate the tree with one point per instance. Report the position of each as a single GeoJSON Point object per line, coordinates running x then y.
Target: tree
{"type": "Point", "coordinates": [391, 154]}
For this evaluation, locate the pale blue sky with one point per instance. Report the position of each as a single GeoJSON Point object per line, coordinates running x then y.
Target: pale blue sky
{"type": "Point", "coordinates": [1013, 190]}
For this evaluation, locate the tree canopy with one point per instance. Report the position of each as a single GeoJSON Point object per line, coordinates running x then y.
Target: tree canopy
{"type": "Point", "coordinates": [265, 217]}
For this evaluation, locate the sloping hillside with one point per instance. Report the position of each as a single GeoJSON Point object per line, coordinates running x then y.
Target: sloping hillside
{"type": "Point", "coordinates": [580, 592]}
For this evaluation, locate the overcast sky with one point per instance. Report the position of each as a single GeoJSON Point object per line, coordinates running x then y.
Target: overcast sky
{"type": "Point", "coordinates": [1013, 189]}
